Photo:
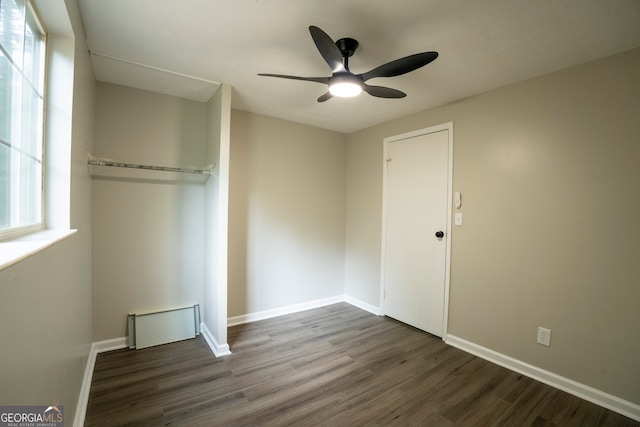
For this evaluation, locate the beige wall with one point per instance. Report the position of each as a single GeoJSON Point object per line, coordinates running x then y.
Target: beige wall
{"type": "Point", "coordinates": [216, 217]}
{"type": "Point", "coordinates": [286, 214]}
{"type": "Point", "coordinates": [548, 170]}
{"type": "Point", "coordinates": [45, 300]}
{"type": "Point", "coordinates": [148, 230]}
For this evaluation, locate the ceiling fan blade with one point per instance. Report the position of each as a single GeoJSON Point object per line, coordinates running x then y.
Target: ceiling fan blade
{"type": "Point", "coordinates": [324, 80]}
{"type": "Point", "coordinates": [383, 92]}
{"type": "Point", "coordinates": [401, 66]}
{"type": "Point", "coordinates": [325, 97]}
{"type": "Point", "coordinates": [327, 48]}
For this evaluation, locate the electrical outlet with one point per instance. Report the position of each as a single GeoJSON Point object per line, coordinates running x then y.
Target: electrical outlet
{"type": "Point", "coordinates": [544, 336]}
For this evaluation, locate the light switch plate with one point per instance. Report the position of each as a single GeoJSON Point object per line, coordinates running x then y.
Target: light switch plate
{"type": "Point", "coordinates": [458, 218]}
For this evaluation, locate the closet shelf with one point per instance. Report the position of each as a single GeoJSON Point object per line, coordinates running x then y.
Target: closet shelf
{"type": "Point", "coordinates": [108, 168]}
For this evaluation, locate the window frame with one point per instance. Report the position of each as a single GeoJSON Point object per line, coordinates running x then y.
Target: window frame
{"type": "Point", "coordinates": [33, 17]}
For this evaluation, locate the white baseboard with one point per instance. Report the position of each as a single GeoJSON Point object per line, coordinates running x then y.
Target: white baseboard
{"type": "Point", "coordinates": [217, 349]}
{"type": "Point", "coordinates": [616, 404]}
{"type": "Point", "coordinates": [281, 311]}
{"type": "Point", "coordinates": [108, 345]}
{"type": "Point", "coordinates": [83, 399]}
{"type": "Point", "coordinates": [363, 305]}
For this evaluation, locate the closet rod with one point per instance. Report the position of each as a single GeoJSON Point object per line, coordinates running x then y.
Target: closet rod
{"type": "Point", "coordinates": [103, 162]}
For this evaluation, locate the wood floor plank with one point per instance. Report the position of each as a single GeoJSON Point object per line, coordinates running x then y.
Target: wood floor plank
{"type": "Point", "coordinates": [331, 366]}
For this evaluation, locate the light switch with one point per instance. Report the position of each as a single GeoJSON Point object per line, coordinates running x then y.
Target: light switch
{"type": "Point", "coordinates": [458, 218]}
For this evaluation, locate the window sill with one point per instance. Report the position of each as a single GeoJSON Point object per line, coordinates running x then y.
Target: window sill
{"type": "Point", "coordinates": [15, 250]}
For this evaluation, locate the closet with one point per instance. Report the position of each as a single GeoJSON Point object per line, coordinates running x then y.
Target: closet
{"type": "Point", "coordinates": [155, 167]}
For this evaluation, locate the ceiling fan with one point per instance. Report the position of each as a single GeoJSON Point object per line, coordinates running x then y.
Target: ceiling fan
{"type": "Point", "coordinates": [344, 83]}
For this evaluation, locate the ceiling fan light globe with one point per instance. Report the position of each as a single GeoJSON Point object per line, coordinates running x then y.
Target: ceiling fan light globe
{"type": "Point", "coordinates": [345, 89]}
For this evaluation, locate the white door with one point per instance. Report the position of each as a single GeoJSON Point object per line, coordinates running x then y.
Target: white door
{"type": "Point", "coordinates": [417, 205]}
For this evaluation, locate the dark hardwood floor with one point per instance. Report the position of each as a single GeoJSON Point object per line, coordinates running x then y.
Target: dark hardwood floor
{"type": "Point", "coordinates": [333, 366]}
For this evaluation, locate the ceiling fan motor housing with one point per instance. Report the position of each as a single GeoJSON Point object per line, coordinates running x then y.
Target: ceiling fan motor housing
{"type": "Point", "coordinates": [347, 46]}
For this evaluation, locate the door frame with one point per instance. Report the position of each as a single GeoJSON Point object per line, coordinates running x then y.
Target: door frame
{"type": "Point", "coordinates": [447, 274]}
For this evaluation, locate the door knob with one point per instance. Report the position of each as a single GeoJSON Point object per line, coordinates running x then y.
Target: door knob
{"type": "Point", "coordinates": [439, 234]}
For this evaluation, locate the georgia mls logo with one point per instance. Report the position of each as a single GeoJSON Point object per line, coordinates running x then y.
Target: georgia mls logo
{"type": "Point", "coordinates": [31, 416]}
{"type": "Point", "coordinates": [55, 412]}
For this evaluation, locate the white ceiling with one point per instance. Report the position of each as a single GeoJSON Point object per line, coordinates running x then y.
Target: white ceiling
{"type": "Point", "coordinates": [187, 47]}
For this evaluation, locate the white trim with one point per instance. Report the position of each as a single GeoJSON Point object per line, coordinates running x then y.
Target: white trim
{"type": "Point", "coordinates": [609, 401]}
{"type": "Point", "coordinates": [363, 305]}
{"type": "Point", "coordinates": [281, 311]}
{"type": "Point", "coordinates": [109, 345]}
{"type": "Point", "coordinates": [383, 239]}
{"type": "Point", "coordinates": [447, 273]}
{"type": "Point", "coordinates": [447, 268]}
{"type": "Point", "coordinates": [296, 308]}
{"type": "Point", "coordinates": [85, 388]}
{"type": "Point", "coordinates": [217, 349]}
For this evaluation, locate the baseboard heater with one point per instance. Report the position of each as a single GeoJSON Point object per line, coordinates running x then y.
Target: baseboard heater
{"type": "Point", "coordinates": [150, 328]}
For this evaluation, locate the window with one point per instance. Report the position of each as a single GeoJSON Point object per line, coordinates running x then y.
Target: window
{"type": "Point", "coordinates": [22, 58]}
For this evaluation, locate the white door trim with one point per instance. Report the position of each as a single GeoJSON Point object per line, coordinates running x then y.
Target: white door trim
{"type": "Point", "coordinates": [386, 141]}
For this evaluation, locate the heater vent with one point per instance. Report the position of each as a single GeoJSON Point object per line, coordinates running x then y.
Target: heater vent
{"type": "Point", "coordinates": [150, 328]}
